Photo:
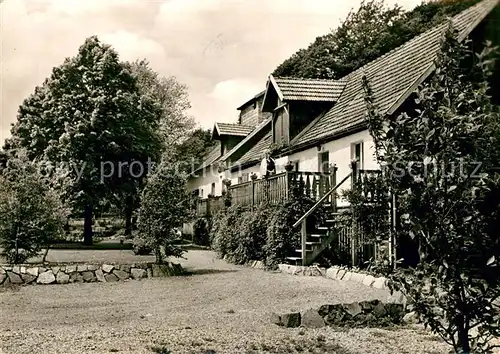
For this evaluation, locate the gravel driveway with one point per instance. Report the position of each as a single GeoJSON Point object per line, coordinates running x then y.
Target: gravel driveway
{"type": "Point", "coordinates": [220, 309]}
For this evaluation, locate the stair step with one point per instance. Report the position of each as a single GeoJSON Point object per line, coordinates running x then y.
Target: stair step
{"type": "Point", "coordinates": [316, 235]}
{"type": "Point", "coordinates": [294, 258]}
{"type": "Point", "coordinates": [322, 228]}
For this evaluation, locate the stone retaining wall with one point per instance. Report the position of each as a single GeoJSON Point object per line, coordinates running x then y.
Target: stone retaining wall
{"type": "Point", "coordinates": [345, 274]}
{"type": "Point", "coordinates": [357, 314]}
{"type": "Point", "coordinates": [337, 273]}
{"type": "Point", "coordinates": [80, 273]}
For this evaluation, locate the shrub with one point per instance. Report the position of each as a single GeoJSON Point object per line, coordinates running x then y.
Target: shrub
{"type": "Point", "coordinates": [282, 239]}
{"type": "Point", "coordinates": [252, 235]}
{"type": "Point", "coordinates": [225, 232]}
{"type": "Point", "coordinates": [31, 211]}
{"type": "Point", "coordinates": [164, 207]}
{"type": "Point", "coordinates": [201, 231]}
{"type": "Point", "coordinates": [264, 233]}
{"type": "Point", "coordinates": [140, 247]}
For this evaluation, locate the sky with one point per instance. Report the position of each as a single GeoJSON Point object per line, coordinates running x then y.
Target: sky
{"type": "Point", "coordinates": [223, 50]}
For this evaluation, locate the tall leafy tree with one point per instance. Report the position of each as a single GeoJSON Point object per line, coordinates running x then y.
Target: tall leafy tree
{"type": "Point", "coordinates": [91, 116]}
{"type": "Point", "coordinates": [191, 151]}
{"type": "Point", "coordinates": [442, 157]}
{"type": "Point", "coordinates": [371, 31]}
{"type": "Point", "coordinates": [174, 125]}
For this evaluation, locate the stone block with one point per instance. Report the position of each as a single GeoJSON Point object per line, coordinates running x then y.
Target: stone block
{"type": "Point", "coordinates": [56, 270]}
{"type": "Point", "coordinates": [28, 278]}
{"type": "Point", "coordinates": [92, 267]}
{"type": "Point", "coordinates": [75, 278]}
{"type": "Point", "coordinates": [88, 277]}
{"type": "Point", "coordinates": [347, 276]}
{"type": "Point", "coordinates": [111, 278]}
{"type": "Point", "coordinates": [353, 309]}
{"type": "Point", "coordinates": [107, 268]}
{"type": "Point", "coordinates": [46, 277]}
{"type": "Point", "coordinates": [62, 278]}
{"type": "Point", "coordinates": [81, 268]}
{"type": "Point", "coordinates": [14, 278]}
{"type": "Point", "coordinates": [125, 268]}
{"type": "Point", "coordinates": [70, 269]}
{"type": "Point", "coordinates": [336, 315]}
{"type": "Point", "coordinates": [138, 273]}
{"type": "Point", "coordinates": [291, 320]}
{"type": "Point", "coordinates": [275, 319]}
{"type": "Point", "coordinates": [16, 269]}
{"type": "Point", "coordinates": [379, 310]}
{"type": "Point", "coordinates": [357, 277]}
{"type": "Point", "coordinates": [259, 265]}
{"type": "Point", "coordinates": [122, 275]}
{"type": "Point", "coordinates": [312, 319]}
{"type": "Point", "coordinates": [32, 271]}
{"type": "Point", "coordinates": [100, 276]}
{"type": "Point", "coordinates": [380, 283]}
{"type": "Point", "coordinates": [411, 318]}
{"type": "Point", "coordinates": [23, 270]}
{"type": "Point", "coordinates": [331, 273]}
{"type": "Point", "coordinates": [368, 281]}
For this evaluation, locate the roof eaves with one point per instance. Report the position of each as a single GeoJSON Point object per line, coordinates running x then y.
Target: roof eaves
{"type": "Point", "coordinates": [276, 87]}
{"type": "Point", "coordinates": [247, 138]}
{"type": "Point", "coordinates": [404, 96]}
{"type": "Point", "coordinates": [254, 98]}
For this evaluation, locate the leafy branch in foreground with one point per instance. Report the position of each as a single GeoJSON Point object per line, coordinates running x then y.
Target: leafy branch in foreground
{"type": "Point", "coordinates": [449, 210]}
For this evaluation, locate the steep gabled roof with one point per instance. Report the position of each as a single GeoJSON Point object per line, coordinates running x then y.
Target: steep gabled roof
{"type": "Point", "coordinates": [393, 77]}
{"type": "Point", "coordinates": [297, 89]}
{"type": "Point", "coordinates": [250, 136]}
{"type": "Point", "coordinates": [256, 152]}
{"type": "Point", "coordinates": [231, 129]}
{"type": "Point", "coordinates": [318, 90]}
{"type": "Point", "coordinates": [252, 100]}
{"type": "Point", "coordinates": [212, 156]}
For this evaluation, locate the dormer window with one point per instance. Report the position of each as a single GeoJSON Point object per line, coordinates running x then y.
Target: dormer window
{"type": "Point", "coordinates": [295, 103]}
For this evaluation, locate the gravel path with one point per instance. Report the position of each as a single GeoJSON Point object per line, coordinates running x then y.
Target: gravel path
{"type": "Point", "coordinates": [221, 307]}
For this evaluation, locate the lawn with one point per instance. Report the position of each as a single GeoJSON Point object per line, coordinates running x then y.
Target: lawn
{"type": "Point", "coordinates": [221, 307]}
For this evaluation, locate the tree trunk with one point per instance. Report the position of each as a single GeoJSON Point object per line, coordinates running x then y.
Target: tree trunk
{"type": "Point", "coordinates": [45, 254]}
{"type": "Point", "coordinates": [463, 335]}
{"type": "Point", "coordinates": [159, 258]}
{"type": "Point", "coordinates": [87, 226]}
{"type": "Point", "coordinates": [129, 208]}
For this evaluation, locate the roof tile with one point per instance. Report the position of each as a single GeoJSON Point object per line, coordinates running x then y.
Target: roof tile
{"type": "Point", "coordinates": [390, 76]}
{"type": "Point", "coordinates": [295, 89]}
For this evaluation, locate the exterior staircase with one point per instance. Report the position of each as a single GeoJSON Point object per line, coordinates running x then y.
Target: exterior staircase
{"type": "Point", "coordinates": [316, 238]}
{"type": "Point", "coordinates": [321, 236]}
{"type": "Point", "coordinates": [315, 241]}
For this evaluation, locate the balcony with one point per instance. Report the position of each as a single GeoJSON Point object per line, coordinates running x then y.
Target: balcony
{"type": "Point", "coordinates": [274, 189]}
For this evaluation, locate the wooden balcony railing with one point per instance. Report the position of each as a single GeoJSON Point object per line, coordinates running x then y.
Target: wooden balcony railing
{"type": "Point", "coordinates": [209, 206]}
{"type": "Point", "coordinates": [277, 188]}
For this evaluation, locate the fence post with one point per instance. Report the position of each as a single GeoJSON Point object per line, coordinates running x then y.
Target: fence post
{"type": "Point", "coordinates": [208, 206]}
{"type": "Point", "coordinates": [393, 228]}
{"type": "Point", "coordinates": [354, 233]}
{"type": "Point", "coordinates": [303, 234]}
{"type": "Point", "coordinates": [333, 184]}
{"type": "Point", "coordinates": [287, 185]}
{"type": "Point", "coordinates": [253, 194]}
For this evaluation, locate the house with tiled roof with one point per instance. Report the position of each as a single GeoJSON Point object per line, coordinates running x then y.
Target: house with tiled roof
{"type": "Point", "coordinates": [317, 127]}
{"type": "Point", "coordinates": [207, 178]}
